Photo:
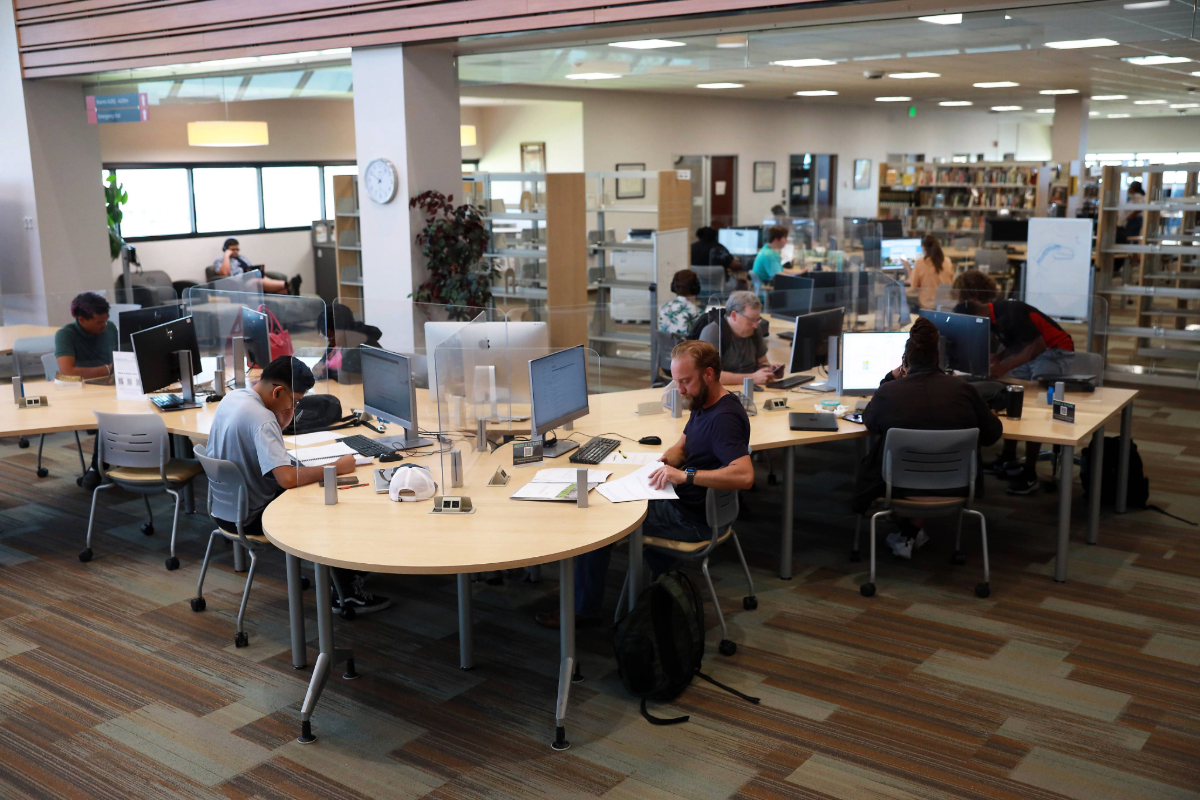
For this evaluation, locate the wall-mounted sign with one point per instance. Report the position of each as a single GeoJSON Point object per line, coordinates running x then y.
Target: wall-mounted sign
{"type": "Point", "coordinates": [106, 108]}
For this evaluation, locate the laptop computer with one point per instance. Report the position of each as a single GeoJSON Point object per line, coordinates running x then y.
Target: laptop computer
{"type": "Point", "coordinates": [812, 421]}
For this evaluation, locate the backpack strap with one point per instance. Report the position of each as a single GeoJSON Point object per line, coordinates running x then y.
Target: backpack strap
{"type": "Point", "coordinates": [653, 720]}
{"type": "Point", "coordinates": [720, 685]}
{"type": "Point", "coordinates": [1152, 507]}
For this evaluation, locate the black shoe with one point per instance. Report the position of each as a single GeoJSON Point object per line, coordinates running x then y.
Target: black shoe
{"type": "Point", "coordinates": [363, 602]}
{"type": "Point", "coordinates": [90, 480]}
{"type": "Point", "coordinates": [1004, 468]}
{"type": "Point", "coordinates": [1023, 485]}
{"type": "Point", "coordinates": [294, 284]}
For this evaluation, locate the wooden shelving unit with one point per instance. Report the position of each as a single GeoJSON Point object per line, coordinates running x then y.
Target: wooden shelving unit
{"type": "Point", "coordinates": [348, 243]}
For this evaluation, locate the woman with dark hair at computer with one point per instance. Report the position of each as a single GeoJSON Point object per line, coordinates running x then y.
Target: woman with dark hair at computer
{"type": "Point", "coordinates": [931, 270]}
{"type": "Point", "coordinates": [917, 395]}
{"type": "Point", "coordinates": [676, 316]}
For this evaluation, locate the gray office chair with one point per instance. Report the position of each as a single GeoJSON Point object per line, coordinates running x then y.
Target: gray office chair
{"type": "Point", "coordinates": [664, 344]}
{"type": "Point", "coordinates": [134, 455]}
{"type": "Point", "coordinates": [720, 511]}
{"type": "Point", "coordinates": [33, 357]}
{"type": "Point", "coordinates": [929, 461]}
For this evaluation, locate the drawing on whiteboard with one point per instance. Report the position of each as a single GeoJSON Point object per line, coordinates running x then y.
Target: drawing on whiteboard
{"type": "Point", "coordinates": [1056, 252]}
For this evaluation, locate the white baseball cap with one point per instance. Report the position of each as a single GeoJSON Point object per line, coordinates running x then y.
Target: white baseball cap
{"type": "Point", "coordinates": [410, 483]}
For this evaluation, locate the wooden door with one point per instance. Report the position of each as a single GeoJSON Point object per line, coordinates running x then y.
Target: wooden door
{"type": "Point", "coordinates": [723, 191]}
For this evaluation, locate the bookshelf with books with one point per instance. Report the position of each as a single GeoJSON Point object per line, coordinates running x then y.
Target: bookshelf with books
{"type": "Point", "coordinates": [956, 199]}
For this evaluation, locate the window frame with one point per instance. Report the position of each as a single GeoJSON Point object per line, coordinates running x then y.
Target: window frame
{"type": "Point", "coordinates": [258, 167]}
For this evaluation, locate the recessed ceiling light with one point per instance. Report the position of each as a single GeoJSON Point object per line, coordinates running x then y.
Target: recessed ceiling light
{"type": "Point", "coordinates": [995, 85]}
{"type": "Point", "coordinates": [816, 93]}
{"type": "Point", "coordinates": [952, 103]}
{"type": "Point", "coordinates": [719, 85]}
{"type": "Point", "coordinates": [1006, 108]}
{"type": "Point", "coordinates": [892, 99]}
{"type": "Point", "coordinates": [1076, 44]}
{"type": "Point", "coordinates": [943, 19]}
{"type": "Point", "coordinates": [1110, 97]}
{"type": "Point", "coordinates": [907, 76]}
{"type": "Point", "coordinates": [1154, 61]}
{"type": "Point", "coordinates": [1045, 111]}
{"type": "Point", "coordinates": [1093, 113]}
{"type": "Point", "coordinates": [646, 44]}
{"type": "Point", "coordinates": [1149, 102]}
{"type": "Point", "coordinates": [592, 76]}
{"type": "Point", "coordinates": [1006, 16]}
{"type": "Point", "coordinates": [804, 62]}
{"type": "Point", "coordinates": [731, 41]}
{"type": "Point", "coordinates": [1196, 74]}
{"type": "Point", "coordinates": [1117, 116]}
{"type": "Point", "coordinates": [1149, 4]}
{"type": "Point", "coordinates": [1059, 91]}
{"type": "Point", "coordinates": [1185, 105]}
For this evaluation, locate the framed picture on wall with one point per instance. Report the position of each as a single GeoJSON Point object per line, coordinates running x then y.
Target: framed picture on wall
{"type": "Point", "coordinates": [631, 188]}
{"type": "Point", "coordinates": [862, 173]}
{"type": "Point", "coordinates": [764, 176]}
{"type": "Point", "coordinates": [533, 156]}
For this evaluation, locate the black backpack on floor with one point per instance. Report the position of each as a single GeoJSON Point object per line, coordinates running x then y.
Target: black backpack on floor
{"type": "Point", "coordinates": [659, 643]}
{"type": "Point", "coordinates": [1138, 494]}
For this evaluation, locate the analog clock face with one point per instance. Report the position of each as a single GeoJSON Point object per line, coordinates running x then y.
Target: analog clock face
{"type": "Point", "coordinates": [381, 180]}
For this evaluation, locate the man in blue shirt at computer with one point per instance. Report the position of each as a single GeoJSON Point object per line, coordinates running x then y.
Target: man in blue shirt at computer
{"type": "Point", "coordinates": [768, 263]}
{"type": "Point", "coordinates": [712, 453]}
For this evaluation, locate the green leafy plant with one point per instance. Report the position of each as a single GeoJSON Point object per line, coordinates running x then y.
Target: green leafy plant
{"type": "Point", "coordinates": [453, 242]}
{"type": "Point", "coordinates": [115, 196]}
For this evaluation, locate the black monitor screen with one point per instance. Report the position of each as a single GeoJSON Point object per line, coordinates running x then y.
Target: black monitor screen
{"type": "Point", "coordinates": [810, 342]}
{"type": "Point", "coordinates": [999, 229]}
{"type": "Point", "coordinates": [256, 337]}
{"type": "Point", "coordinates": [387, 386]}
{"type": "Point", "coordinates": [892, 228]}
{"type": "Point", "coordinates": [156, 349]}
{"type": "Point", "coordinates": [139, 319]}
{"type": "Point", "coordinates": [966, 341]}
{"type": "Point", "coordinates": [791, 297]}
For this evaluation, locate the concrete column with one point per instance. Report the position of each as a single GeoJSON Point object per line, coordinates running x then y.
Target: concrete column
{"type": "Point", "coordinates": [1068, 138]}
{"type": "Point", "coordinates": [406, 109]}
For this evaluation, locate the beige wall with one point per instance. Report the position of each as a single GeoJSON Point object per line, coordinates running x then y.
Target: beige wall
{"type": "Point", "coordinates": [1158, 135]}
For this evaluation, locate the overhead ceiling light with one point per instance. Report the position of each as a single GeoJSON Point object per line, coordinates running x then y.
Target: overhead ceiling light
{"type": "Point", "coordinates": [816, 93]}
{"type": "Point", "coordinates": [1146, 5]}
{"type": "Point", "coordinates": [995, 85]}
{"type": "Point", "coordinates": [731, 40]}
{"type": "Point", "coordinates": [1059, 91]}
{"type": "Point", "coordinates": [719, 85]}
{"type": "Point", "coordinates": [1154, 61]}
{"type": "Point", "coordinates": [466, 135]}
{"type": "Point", "coordinates": [1045, 111]}
{"type": "Point", "coordinates": [804, 62]}
{"type": "Point", "coordinates": [646, 44]}
{"type": "Point", "coordinates": [1185, 105]}
{"type": "Point", "coordinates": [592, 76]}
{"type": "Point", "coordinates": [1093, 113]}
{"type": "Point", "coordinates": [227, 133]}
{"type": "Point", "coordinates": [1117, 116]}
{"type": "Point", "coordinates": [1006, 108]}
{"type": "Point", "coordinates": [892, 99]}
{"type": "Point", "coordinates": [908, 76]}
{"type": "Point", "coordinates": [1110, 97]}
{"type": "Point", "coordinates": [951, 103]}
{"type": "Point", "coordinates": [1077, 44]}
{"type": "Point", "coordinates": [1149, 102]}
{"type": "Point", "coordinates": [943, 19]}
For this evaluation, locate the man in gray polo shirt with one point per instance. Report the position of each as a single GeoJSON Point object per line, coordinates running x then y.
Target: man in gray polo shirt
{"type": "Point", "coordinates": [248, 430]}
{"type": "Point", "coordinates": [736, 337]}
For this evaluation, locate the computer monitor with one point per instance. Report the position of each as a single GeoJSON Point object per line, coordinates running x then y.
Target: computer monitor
{"type": "Point", "coordinates": [131, 322]}
{"type": "Point", "coordinates": [792, 297]}
{"type": "Point", "coordinates": [739, 241]}
{"type": "Point", "coordinates": [869, 356]}
{"type": "Point", "coordinates": [155, 349]}
{"type": "Point", "coordinates": [389, 394]}
{"type": "Point", "coordinates": [891, 228]}
{"type": "Point", "coordinates": [810, 338]}
{"type": "Point", "coordinates": [558, 388]}
{"type": "Point", "coordinates": [894, 250]}
{"type": "Point", "coordinates": [965, 341]}
{"type": "Point", "coordinates": [1002, 229]}
{"type": "Point", "coordinates": [256, 338]}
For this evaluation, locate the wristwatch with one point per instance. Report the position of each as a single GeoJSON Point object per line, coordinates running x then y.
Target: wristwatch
{"type": "Point", "coordinates": [691, 476]}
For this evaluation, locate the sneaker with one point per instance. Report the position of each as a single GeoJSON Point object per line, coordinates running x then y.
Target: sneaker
{"type": "Point", "coordinates": [1003, 468]}
{"type": "Point", "coordinates": [901, 545]}
{"type": "Point", "coordinates": [1023, 485]}
{"type": "Point", "coordinates": [90, 480]}
{"type": "Point", "coordinates": [362, 601]}
{"type": "Point", "coordinates": [294, 284]}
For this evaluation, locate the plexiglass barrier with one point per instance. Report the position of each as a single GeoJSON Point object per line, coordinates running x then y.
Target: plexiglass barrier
{"type": "Point", "coordinates": [269, 325]}
{"type": "Point", "coordinates": [246, 282]}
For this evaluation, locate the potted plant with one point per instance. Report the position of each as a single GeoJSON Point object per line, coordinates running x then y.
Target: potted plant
{"type": "Point", "coordinates": [453, 242]}
{"type": "Point", "coordinates": [114, 197]}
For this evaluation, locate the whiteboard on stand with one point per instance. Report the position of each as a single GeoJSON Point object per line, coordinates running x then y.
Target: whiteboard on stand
{"type": "Point", "coordinates": [1058, 267]}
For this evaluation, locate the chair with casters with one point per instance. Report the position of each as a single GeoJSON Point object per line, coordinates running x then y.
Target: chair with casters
{"type": "Point", "coordinates": [134, 455]}
{"type": "Point", "coordinates": [720, 511]}
{"type": "Point", "coordinates": [929, 461]}
{"type": "Point", "coordinates": [664, 343]}
{"type": "Point", "coordinates": [33, 357]}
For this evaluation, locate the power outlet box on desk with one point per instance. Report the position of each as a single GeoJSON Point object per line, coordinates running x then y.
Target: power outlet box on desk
{"type": "Point", "coordinates": [450, 504]}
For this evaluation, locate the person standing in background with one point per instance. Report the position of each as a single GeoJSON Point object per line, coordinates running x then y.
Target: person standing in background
{"type": "Point", "coordinates": [931, 270]}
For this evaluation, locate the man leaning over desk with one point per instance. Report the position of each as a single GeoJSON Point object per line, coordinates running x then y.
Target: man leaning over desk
{"type": "Point", "coordinates": [712, 453]}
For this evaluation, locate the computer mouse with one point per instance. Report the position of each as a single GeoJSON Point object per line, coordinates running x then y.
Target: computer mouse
{"type": "Point", "coordinates": [649, 440]}
{"type": "Point", "coordinates": [390, 457]}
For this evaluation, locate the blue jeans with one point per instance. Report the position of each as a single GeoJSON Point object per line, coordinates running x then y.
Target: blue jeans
{"type": "Point", "coordinates": [664, 520]}
{"type": "Point", "coordinates": [1051, 362]}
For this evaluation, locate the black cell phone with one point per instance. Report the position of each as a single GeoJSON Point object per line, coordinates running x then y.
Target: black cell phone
{"type": "Point", "coordinates": [855, 417]}
{"type": "Point", "coordinates": [778, 371]}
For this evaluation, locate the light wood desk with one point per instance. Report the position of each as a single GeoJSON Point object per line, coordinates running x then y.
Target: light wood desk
{"type": "Point", "coordinates": [10, 333]}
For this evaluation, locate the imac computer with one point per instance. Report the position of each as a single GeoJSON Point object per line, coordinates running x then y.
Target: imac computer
{"type": "Point", "coordinates": [965, 341]}
{"type": "Point", "coordinates": [895, 252]}
{"type": "Point", "coordinates": [256, 338]}
{"type": "Point", "coordinates": [791, 297]}
{"type": "Point", "coordinates": [157, 349]}
{"type": "Point", "coordinates": [389, 394]}
{"type": "Point", "coordinates": [891, 228]}
{"type": "Point", "coordinates": [131, 322]}
{"type": "Point", "coordinates": [1006, 230]}
{"type": "Point", "coordinates": [867, 357]}
{"type": "Point", "coordinates": [810, 344]}
{"type": "Point", "coordinates": [558, 387]}
{"type": "Point", "coordinates": [740, 241]}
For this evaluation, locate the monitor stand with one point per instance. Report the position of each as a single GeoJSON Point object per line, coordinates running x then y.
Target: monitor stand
{"type": "Point", "coordinates": [559, 448]}
{"type": "Point", "coordinates": [404, 441]}
{"type": "Point", "coordinates": [834, 380]}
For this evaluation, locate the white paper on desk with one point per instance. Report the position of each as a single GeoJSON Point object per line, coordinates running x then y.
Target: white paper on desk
{"type": "Point", "coordinates": [127, 377]}
{"type": "Point", "coordinates": [322, 453]}
{"type": "Point", "coordinates": [636, 486]}
{"type": "Point", "coordinates": [208, 365]}
{"type": "Point", "coordinates": [308, 439]}
{"type": "Point", "coordinates": [535, 490]}
{"type": "Point", "coordinates": [567, 475]}
{"type": "Point", "coordinates": [631, 458]}
{"type": "Point", "coordinates": [359, 461]}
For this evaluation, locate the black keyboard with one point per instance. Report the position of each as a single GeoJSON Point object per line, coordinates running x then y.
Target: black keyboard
{"type": "Point", "coordinates": [367, 447]}
{"type": "Point", "coordinates": [790, 381]}
{"type": "Point", "coordinates": [166, 400]}
{"type": "Point", "coordinates": [595, 451]}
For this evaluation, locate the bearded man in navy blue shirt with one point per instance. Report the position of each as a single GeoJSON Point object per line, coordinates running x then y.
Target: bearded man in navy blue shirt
{"type": "Point", "coordinates": [712, 453]}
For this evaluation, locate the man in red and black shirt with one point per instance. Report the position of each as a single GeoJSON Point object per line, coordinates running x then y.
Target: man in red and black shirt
{"type": "Point", "coordinates": [1032, 346]}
